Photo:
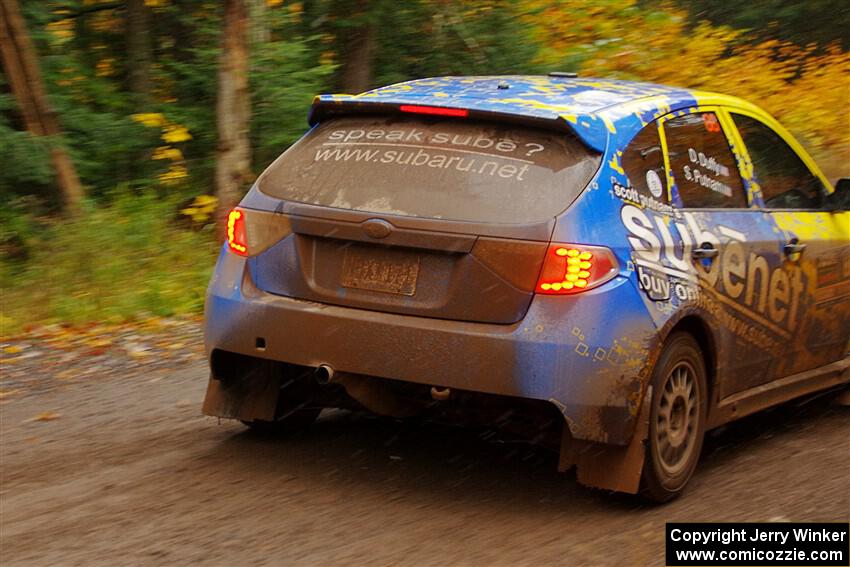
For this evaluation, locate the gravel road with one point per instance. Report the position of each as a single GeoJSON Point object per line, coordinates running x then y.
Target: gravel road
{"type": "Point", "coordinates": [122, 469]}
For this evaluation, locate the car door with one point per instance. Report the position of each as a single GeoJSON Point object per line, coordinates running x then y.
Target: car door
{"type": "Point", "coordinates": [731, 246]}
{"type": "Point", "coordinates": [815, 245]}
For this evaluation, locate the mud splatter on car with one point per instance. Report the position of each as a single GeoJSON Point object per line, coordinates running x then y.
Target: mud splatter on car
{"type": "Point", "coordinates": [625, 264]}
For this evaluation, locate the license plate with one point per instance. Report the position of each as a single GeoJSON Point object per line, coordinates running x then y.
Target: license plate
{"type": "Point", "coordinates": [375, 269]}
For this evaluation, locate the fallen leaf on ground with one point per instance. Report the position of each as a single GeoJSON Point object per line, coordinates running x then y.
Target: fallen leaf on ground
{"type": "Point", "coordinates": [137, 350]}
{"type": "Point", "coordinates": [46, 416]}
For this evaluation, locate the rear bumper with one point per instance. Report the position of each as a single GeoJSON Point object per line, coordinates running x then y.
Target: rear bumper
{"type": "Point", "coordinates": [585, 354]}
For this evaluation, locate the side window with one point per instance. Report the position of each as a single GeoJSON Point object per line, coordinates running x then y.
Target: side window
{"type": "Point", "coordinates": [643, 162]}
{"type": "Point", "coordinates": [786, 182]}
{"type": "Point", "coordinates": [702, 163]}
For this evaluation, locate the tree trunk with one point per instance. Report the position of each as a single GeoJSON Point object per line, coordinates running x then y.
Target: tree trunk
{"type": "Point", "coordinates": [22, 71]}
{"type": "Point", "coordinates": [358, 45]}
{"type": "Point", "coordinates": [260, 32]}
{"type": "Point", "coordinates": [138, 51]}
{"type": "Point", "coordinates": [233, 107]}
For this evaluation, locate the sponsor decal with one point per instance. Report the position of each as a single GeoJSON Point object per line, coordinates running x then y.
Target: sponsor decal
{"type": "Point", "coordinates": [653, 181]}
{"type": "Point", "coordinates": [481, 154]}
{"type": "Point", "coordinates": [661, 287]}
{"type": "Point", "coordinates": [833, 278]}
{"type": "Point", "coordinates": [739, 277]}
{"type": "Point", "coordinates": [635, 197]}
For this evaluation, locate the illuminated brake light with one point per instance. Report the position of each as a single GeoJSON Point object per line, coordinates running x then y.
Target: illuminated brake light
{"type": "Point", "coordinates": [434, 110]}
{"type": "Point", "coordinates": [573, 268]}
{"type": "Point", "coordinates": [236, 239]}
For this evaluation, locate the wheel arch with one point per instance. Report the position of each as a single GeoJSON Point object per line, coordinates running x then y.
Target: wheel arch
{"type": "Point", "coordinates": [695, 325]}
{"type": "Point", "coordinates": [619, 468]}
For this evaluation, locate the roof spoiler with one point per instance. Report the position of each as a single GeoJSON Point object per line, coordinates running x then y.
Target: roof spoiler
{"type": "Point", "coordinates": [588, 129]}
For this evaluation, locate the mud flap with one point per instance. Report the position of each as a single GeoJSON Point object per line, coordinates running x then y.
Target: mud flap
{"type": "Point", "coordinates": [609, 467]}
{"type": "Point", "coordinates": [252, 397]}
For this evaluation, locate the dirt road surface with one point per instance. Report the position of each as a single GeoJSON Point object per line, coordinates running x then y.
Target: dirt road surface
{"type": "Point", "coordinates": [123, 470]}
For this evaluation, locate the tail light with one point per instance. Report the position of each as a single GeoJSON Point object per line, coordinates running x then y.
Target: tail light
{"type": "Point", "coordinates": [434, 110]}
{"type": "Point", "coordinates": [250, 232]}
{"type": "Point", "coordinates": [573, 268]}
{"type": "Point", "coordinates": [237, 240]}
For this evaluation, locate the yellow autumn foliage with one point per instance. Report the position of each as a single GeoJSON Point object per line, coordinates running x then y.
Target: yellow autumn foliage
{"type": "Point", "coordinates": [171, 134]}
{"type": "Point", "coordinates": [167, 152]}
{"type": "Point", "coordinates": [150, 119]}
{"type": "Point", "coordinates": [201, 209]}
{"type": "Point", "coordinates": [174, 133]}
{"type": "Point", "coordinates": [806, 90]}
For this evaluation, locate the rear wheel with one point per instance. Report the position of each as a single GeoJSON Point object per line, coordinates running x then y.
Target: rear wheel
{"type": "Point", "coordinates": [677, 418]}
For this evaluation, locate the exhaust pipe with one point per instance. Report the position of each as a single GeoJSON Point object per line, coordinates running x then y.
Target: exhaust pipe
{"type": "Point", "coordinates": [324, 374]}
{"type": "Point", "coordinates": [440, 394]}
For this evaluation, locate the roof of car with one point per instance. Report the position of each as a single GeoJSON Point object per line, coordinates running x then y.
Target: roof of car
{"type": "Point", "coordinates": [593, 108]}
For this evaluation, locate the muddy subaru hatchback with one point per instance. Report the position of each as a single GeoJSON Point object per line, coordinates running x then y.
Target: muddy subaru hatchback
{"type": "Point", "coordinates": [621, 265]}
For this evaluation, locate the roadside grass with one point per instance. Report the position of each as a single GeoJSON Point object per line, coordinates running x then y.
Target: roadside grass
{"type": "Point", "coordinates": [132, 258]}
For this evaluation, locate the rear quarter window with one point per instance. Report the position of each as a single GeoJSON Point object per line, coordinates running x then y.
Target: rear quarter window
{"type": "Point", "coordinates": [643, 162]}
{"type": "Point", "coordinates": [445, 169]}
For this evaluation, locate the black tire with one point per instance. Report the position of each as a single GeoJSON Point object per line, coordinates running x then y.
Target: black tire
{"type": "Point", "coordinates": [677, 419]}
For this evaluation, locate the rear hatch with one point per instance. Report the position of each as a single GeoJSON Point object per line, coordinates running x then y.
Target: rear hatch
{"type": "Point", "coordinates": [421, 215]}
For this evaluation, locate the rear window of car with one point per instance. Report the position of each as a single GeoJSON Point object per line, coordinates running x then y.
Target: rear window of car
{"type": "Point", "coordinates": [443, 169]}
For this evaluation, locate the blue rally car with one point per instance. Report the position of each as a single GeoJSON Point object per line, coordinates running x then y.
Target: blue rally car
{"type": "Point", "coordinates": [612, 267]}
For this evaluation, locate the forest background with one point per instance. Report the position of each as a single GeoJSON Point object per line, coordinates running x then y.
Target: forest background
{"type": "Point", "coordinates": [127, 126]}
